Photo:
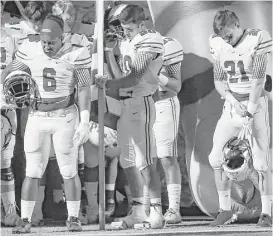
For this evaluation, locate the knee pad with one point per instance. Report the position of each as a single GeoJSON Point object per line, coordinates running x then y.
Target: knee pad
{"type": "Point", "coordinates": [35, 171]}
{"type": "Point", "coordinates": [7, 174]}
{"type": "Point", "coordinates": [68, 171]}
{"type": "Point", "coordinates": [91, 155]}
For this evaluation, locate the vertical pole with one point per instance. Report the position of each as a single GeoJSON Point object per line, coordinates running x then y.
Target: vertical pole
{"type": "Point", "coordinates": [101, 104]}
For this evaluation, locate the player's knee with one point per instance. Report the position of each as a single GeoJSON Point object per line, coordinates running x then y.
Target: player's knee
{"type": "Point", "coordinates": [35, 171]}
{"type": "Point", "coordinates": [7, 174]}
{"type": "Point", "coordinates": [260, 164]}
{"type": "Point", "coordinates": [68, 171]}
{"type": "Point", "coordinates": [215, 160]}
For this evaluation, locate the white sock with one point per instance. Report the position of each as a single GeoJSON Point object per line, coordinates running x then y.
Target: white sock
{"type": "Point", "coordinates": [267, 204]}
{"type": "Point", "coordinates": [91, 189]}
{"type": "Point", "coordinates": [39, 203]}
{"type": "Point", "coordinates": [146, 198]}
{"type": "Point", "coordinates": [139, 208]}
{"type": "Point", "coordinates": [73, 208]}
{"type": "Point", "coordinates": [155, 203]}
{"type": "Point", "coordinates": [128, 193]}
{"type": "Point", "coordinates": [174, 193]}
{"type": "Point", "coordinates": [224, 200]}
{"type": "Point", "coordinates": [27, 208]}
{"type": "Point", "coordinates": [110, 187]}
{"type": "Point", "coordinates": [7, 194]}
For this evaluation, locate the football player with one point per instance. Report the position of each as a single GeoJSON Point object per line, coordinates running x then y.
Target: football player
{"type": "Point", "coordinates": [239, 64]}
{"type": "Point", "coordinates": [91, 171]}
{"type": "Point", "coordinates": [8, 131]}
{"type": "Point", "coordinates": [166, 125]}
{"type": "Point", "coordinates": [136, 81]}
{"type": "Point", "coordinates": [57, 68]}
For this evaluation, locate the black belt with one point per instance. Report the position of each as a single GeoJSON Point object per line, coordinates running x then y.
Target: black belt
{"type": "Point", "coordinates": [127, 97]}
{"type": "Point", "coordinates": [55, 104]}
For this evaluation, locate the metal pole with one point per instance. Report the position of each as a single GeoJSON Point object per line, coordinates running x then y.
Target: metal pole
{"type": "Point", "coordinates": [101, 104]}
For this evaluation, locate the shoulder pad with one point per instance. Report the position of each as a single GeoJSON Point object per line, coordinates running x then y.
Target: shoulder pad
{"type": "Point", "coordinates": [173, 51]}
{"type": "Point", "coordinates": [150, 41]}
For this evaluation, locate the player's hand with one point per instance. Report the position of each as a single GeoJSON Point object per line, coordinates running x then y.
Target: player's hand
{"type": "Point", "coordinates": [100, 81]}
{"type": "Point", "coordinates": [81, 134]}
{"type": "Point", "coordinates": [240, 109]}
{"type": "Point", "coordinates": [110, 44]}
{"type": "Point", "coordinates": [246, 130]}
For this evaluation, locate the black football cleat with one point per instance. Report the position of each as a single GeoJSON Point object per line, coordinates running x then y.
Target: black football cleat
{"type": "Point", "coordinates": [222, 218]}
{"type": "Point", "coordinates": [23, 227]}
{"type": "Point", "coordinates": [73, 224]}
{"type": "Point", "coordinates": [265, 220]}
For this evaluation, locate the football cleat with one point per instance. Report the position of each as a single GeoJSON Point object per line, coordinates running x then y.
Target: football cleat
{"type": "Point", "coordinates": [265, 220]}
{"type": "Point", "coordinates": [172, 216]}
{"type": "Point", "coordinates": [73, 224]}
{"type": "Point", "coordinates": [154, 221]}
{"type": "Point", "coordinates": [11, 218]}
{"type": "Point", "coordinates": [223, 218]}
{"type": "Point", "coordinates": [129, 221]}
{"type": "Point", "coordinates": [23, 227]}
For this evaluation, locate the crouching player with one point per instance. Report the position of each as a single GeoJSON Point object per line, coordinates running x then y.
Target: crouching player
{"type": "Point", "coordinates": [57, 68]}
{"type": "Point", "coordinates": [91, 171]}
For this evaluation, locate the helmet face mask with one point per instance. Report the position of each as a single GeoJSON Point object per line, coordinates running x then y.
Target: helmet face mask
{"type": "Point", "coordinates": [237, 163]}
{"type": "Point", "coordinates": [114, 31]}
{"type": "Point", "coordinates": [19, 89]}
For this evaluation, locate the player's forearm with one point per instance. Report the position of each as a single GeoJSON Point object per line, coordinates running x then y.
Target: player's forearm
{"type": "Point", "coordinates": [259, 71]}
{"type": "Point", "coordinates": [222, 89]}
{"type": "Point", "coordinates": [84, 103]}
{"type": "Point", "coordinates": [170, 82]}
{"type": "Point", "coordinates": [124, 82]}
{"type": "Point", "coordinates": [113, 65]}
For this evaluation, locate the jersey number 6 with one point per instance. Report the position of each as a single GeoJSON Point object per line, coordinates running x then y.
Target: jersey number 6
{"type": "Point", "coordinates": [49, 81]}
{"type": "Point", "coordinates": [231, 65]}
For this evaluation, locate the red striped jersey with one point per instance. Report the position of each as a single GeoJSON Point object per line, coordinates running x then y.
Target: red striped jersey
{"type": "Point", "coordinates": [145, 41]}
{"type": "Point", "coordinates": [237, 61]}
{"type": "Point", "coordinates": [54, 76]}
{"type": "Point", "coordinates": [173, 51]}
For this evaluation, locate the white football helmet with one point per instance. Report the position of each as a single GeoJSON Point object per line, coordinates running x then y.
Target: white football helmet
{"type": "Point", "coordinates": [237, 162]}
{"type": "Point", "coordinates": [114, 29]}
{"type": "Point", "coordinates": [110, 135]}
{"type": "Point", "coordinates": [19, 89]}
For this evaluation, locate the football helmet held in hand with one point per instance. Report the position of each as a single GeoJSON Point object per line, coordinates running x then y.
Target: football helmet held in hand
{"type": "Point", "coordinates": [237, 163]}
{"type": "Point", "coordinates": [19, 89]}
{"type": "Point", "coordinates": [114, 30]}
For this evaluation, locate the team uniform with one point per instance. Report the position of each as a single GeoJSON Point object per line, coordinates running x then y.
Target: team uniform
{"type": "Point", "coordinates": [55, 115]}
{"type": "Point", "coordinates": [237, 67]}
{"type": "Point", "coordinates": [168, 107]}
{"type": "Point", "coordinates": [8, 131]}
{"type": "Point", "coordinates": [137, 105]}
{"type": "Point", "coordinates": [8, 115]}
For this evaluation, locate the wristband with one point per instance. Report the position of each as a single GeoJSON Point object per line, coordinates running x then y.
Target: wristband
{"type": "Point", "coordinates": [252, 107]}
{"type": "Point", "coordinates": [163, 80]}
{"type": "Point", "coordinates": [230, 98]}
{"type": "Point", "coordinates": [85, 116]}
